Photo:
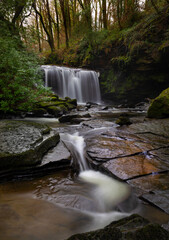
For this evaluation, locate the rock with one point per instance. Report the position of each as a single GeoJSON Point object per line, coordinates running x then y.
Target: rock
{"type": "Point", "coordinates": [134, 227]}
{"type": "Point", "coordinates": [98, 124]}
{"type": "Point", "coordinates": [39, 112]}
{"type": "Point", "coordinates": [105, 108]}
{"type": "Point", "coordinates": [67, 118]}
{"type": "Point", "coordinates": [70, 117]}
{"type": "Point", "coordinates": [134, 166]}
{"type": "Point", "coordinates": [123, 121]}
{"type": "Point", "coordinates": [56, 154]}
{"type": "Point", "coordinates": [24, 143]}
{"type": "Point", "coordinates": [57, 110]}
{"type": "Point", "coordinates": [103, 148]}
{"type": "Point", "coordinates": [159, 107]}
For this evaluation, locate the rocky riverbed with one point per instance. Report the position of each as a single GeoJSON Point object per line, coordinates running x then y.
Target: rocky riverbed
{"type": "Point", "coordinates": [136, 153]}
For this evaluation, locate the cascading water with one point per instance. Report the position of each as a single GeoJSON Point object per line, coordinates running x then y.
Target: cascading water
{"type": "Point", "coordinates": [74, 83]}
{"type": "Point", "coordinates": [106, 192]}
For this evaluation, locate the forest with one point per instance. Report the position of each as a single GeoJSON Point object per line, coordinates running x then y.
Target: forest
{"type": "Point", "coordinates": [118, 35]}
{"type": "Point", "coordinates": [84, 127]}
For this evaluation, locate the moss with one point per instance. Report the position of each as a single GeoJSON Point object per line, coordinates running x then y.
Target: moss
{"type": "Point", "coordinates": [159, 107]}
{"type": "Point", "coordinates": [149, 232]}
{"type": "Point", "coordinates": [39, 111]}
{"type": "Point", "coordinates": [123, 121]}
{"type": "Point", "coordinates": [106, 234]}
{"type": "Point", "coordinates": [32, 149]}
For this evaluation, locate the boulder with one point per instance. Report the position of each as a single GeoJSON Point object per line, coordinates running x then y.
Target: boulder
{"type": "Point", "coordinates": [122, 120]}
{"type": "Point", "coordinates": [133, 227]}
{"type": "Point", "coordinates": [23, 144]}
{"type": "Point", "coordinates": [159, 107]}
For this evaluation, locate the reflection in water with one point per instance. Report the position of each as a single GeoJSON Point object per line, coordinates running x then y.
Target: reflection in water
{"type": "Point", "coordinates": [54, 207]}
{"type": "Point", "coordinates": [57, 206]}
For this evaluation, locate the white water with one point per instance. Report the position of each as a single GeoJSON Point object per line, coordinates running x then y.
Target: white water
{"type": "Point", "coordinates": [106, 191]}
{"type": "Point", "coordinates": [74, 83]}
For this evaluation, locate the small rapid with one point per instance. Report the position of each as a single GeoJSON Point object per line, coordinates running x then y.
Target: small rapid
{"type": "Point", "coordinates": [105, 191]}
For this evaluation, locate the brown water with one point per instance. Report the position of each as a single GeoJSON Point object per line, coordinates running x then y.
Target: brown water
{"type": "Point", "coordinates": [56, 206]}
{"type": "Point", "coordinates": [52, 207]}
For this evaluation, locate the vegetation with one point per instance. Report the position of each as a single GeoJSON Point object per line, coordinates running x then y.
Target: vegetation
{"type": "Point", "coordinates": [159, 107]}
{"type": "Point", "coordinates": [121, 34]}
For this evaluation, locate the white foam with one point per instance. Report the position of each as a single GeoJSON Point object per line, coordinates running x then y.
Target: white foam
{"type": "Point", "coordinates": [108, 192]}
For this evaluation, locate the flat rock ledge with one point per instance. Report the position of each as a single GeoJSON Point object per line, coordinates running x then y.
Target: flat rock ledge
{"type": "Point", "coordinates": [23, 144]}
{"type": "Point", "coordinates": [133, 227]}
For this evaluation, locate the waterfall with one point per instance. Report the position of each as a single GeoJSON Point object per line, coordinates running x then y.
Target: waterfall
{"type": "Point", "coordinates": [74, 83]}
{"type": "Point", "coordinates": [107, 191]}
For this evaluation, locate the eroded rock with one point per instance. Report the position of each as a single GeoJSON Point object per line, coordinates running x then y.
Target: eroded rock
{"type": "Point", "coordinates": [24, 143]}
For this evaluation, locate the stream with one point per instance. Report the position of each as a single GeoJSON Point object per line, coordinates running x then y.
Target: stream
{"type": "Point", "coordinates": [63, 203]}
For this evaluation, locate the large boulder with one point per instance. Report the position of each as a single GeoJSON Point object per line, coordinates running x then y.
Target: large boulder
{"type": "Point", "coordinates": [159, 107]}
{"type": "Point", "coordinates": [130, 228]}
{"type": "Point", "coordinates": [23, 144]}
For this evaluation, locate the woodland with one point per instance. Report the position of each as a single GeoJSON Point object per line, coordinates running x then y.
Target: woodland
{"type": "Point", "coordinates": [126, 40]}
{"type": "Point", "coordinates": [91, 157]}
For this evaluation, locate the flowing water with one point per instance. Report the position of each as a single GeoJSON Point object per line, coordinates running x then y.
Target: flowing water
{"type": "Point", "coordinates": [59, 205]}
{"type": "Point", "coordinates": [62, 204]}
{"type": "Point", "coordinates": [74, 83]}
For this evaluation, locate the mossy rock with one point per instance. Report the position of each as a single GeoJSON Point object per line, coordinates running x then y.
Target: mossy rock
{"type": "Point", "coordinates": [48, 104]}
{"type": "Point", "coordinates": [122, 120]}
{"type": "Point", "coordinates": [70, 106]}
{"type": "Point", "coordinates": [148, 232]}
{"type": "Point", "coordinates": [23, 144]}
{"type": "Point", "coordinates": [39, 112]}
{"type": "Point", "coordinates": [133, 227]}
{"type": "Point", "coordinates": [159, 107]}
{"type": "Point", "coordinates": [73, 102]}
{"type": "Point", "coordinates": [57, 110]}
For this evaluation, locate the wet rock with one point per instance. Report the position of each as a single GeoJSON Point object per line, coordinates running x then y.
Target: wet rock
{"type": "Point", "coordinates": [24, 143]}
{"type": "Point", "coordinates": [98, 124]}
{"type": "Point", "coordinates": [79, 120]}
{"type": "Point", "coordinates": [56, 154]}
{"type": "Point", "coordinates": [69, 117]}
{"type": "Point", "coordinates": [105, 108]}
{"type": "Point", "coordinates": [158, 198]}
{"type": "Point", "coordinates": [38, 112]}
{"type": "Point", "coordinates": [153, 189]}
{"type": "Point", "coordinates": [123, 121]}
{"type": "Point", "coordinates": [134, 166]}
{"type": "Point", "coordinates": [133, 227]}
{"type": "Point", "coordinates": [107, 148]}
{"type": "Point", "coordinates": [159, 107]}
{"type": "Point", "coordinates": [156, 127]}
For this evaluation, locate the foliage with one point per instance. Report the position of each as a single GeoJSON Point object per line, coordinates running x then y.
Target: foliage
{"type": "Point", "coordinates": [20, 81]}
{"type": "Point", "coordinates": [159, 107]}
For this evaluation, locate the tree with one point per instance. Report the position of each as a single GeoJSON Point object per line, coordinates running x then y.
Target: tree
{"type": "Point", "coordinates": [47, 29]}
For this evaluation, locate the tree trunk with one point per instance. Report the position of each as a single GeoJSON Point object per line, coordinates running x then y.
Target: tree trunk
{"type": "Point", "coordinates": [38, 33]}
{"type": "Point", "coordinates": [62, 6]}
{"type": "Point", "coordinates": [104, 14]}
{"type": "Point", "coordinates": [57, 24]}
{"type": "Point", "coordinates": [50, 26]}
{"type": "Point", "coordinates": [50, 41]}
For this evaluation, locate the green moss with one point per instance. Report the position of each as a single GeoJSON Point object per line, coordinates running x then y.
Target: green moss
{"type": "Point", "coordinates": [149, 232]}
{"type": "Point", "coordinates": [159, 107]}
{"type": "Point", "coordinates": [123, 121]}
